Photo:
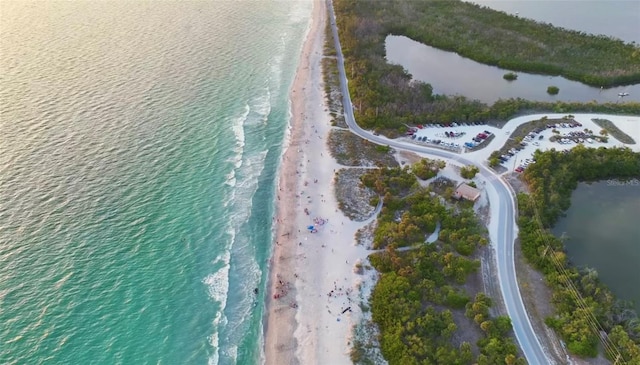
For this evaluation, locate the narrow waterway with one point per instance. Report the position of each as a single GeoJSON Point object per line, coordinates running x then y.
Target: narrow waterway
{"type": "Point", "coordinates": [602, 232]}
{"type": "Point", "coordinates": [451, 74]}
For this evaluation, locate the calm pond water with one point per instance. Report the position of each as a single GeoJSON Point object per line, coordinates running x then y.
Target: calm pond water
{"type": "Point", "coordinates": [450, 74]}
{"type": "Point", "coordinates": [602, 232]}
{"type": "Point", "coordinates": [614, 18]}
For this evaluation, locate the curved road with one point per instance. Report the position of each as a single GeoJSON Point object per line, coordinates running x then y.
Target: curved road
{"type": "Point", "coordinates": [506, 218]}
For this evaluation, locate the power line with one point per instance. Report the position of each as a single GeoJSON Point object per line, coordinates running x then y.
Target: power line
{"type": "Point", "coordinates": [588, 315]}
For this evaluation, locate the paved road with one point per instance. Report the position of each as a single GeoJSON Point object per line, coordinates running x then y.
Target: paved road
{"type": "Point", "coordinates": [496, 188]}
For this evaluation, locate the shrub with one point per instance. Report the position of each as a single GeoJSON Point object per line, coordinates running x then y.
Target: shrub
{"type": "Point", "coordinates": [510, 76]}
{"type": "Point", "coordinates": [468, 172]}
{"type": "Point", "coordinates": [553, 90]}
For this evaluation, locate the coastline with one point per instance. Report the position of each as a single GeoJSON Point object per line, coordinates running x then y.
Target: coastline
{"type": "Point", "coordinates": [279, 318]}
{"type": "Point", "coordinates": [312, 290]}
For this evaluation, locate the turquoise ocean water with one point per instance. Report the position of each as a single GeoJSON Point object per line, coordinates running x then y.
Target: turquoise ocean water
{"type": "Point", "coordinates": [139, 148]}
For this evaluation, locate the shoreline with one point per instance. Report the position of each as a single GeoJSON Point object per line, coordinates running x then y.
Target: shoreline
{"type": "Point", "coordinates": [311, 302]}
{"type": "Point", "coordinates": [279, 329]}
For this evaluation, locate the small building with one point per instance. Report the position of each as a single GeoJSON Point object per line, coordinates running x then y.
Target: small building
{"type": "Point", "coordinates": [464, 191]}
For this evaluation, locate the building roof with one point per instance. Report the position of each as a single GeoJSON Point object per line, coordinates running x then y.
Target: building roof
{"type": "Point", "coordinates": [467, 192]}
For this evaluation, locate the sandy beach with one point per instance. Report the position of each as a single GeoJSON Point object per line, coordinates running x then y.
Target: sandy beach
{"type": "Point", "coordinates": [312, 292]}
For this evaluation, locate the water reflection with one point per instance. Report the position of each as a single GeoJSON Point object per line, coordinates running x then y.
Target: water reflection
{"type": "Point", "coordinates": [602, 230]}
{"type": "Point", "coordinates": [614, 18]}
{"type": "Point", "coordinates": [452, 74]}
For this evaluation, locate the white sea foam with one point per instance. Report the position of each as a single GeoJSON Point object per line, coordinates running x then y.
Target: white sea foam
{"type": "Point", "coordinates": [218, 289]}
{"type": "Point", "coordinates": [230, 179]}
{"type": "Point", "coordinates": [214, 341]}
{"type": "Point", "coordinates": [237, 126]}
{"type": "Point", "coordinates": [261, 106]}
{"type": "Point", "coordinates": [218, 286]}
{"type": "Point", "coordinates": [232, 352]}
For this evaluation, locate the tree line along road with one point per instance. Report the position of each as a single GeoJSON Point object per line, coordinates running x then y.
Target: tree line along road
{"type": "Point", "coordinates": [497, 190]}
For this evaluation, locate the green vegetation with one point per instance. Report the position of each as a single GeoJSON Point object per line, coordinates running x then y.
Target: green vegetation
{"type": "Point", "coordinates": [469, 172]}
{"type": "Point", "coordinates": [332, 80]}
{"type": "Point", "coordinates": [551, 181]}
{"type": "Point", "coordinates": [419, 302]}
{"type": "Point", "coordinates": [553, 90]}
{"type": "Point", "coordinates": [384, 97]}
{"type": "Point", "coordinates": [519, 44]}
{"type": "Point", "coordinates": [510, 76]}
{"type": "Point", "coordinates": [610, 128]}
{"type": "Point", "coordinates": [426, 169]}
{"type": "Point", "coordinates": [351, 150]}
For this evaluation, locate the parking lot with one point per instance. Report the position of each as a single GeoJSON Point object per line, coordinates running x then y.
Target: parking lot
{"type": "Point", "coordinates": [568, 135]}
{"type": "Point", "coordinates": [456, 136]}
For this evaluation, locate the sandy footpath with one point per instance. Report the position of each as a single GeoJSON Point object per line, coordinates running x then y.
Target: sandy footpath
{"type": "Point", "coordinates": [311, 280]}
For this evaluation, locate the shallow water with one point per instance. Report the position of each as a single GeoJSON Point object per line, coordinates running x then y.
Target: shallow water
{"type": "Point", "coordinates": [139, 144]}
{"type": "Point", "coordinates": [614, 18]}
{"type": "Point", "coordinates": [601, 230]}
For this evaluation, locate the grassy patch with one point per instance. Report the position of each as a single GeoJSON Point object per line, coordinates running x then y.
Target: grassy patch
{"type": "Point", "coordinates": [353, 197]}
{"type": "Point", "coordinates": [614, 131]}
{"type": "Point", "coordinates": [332, 80]}
{"type": "Point", "coordinates": [351, 150]}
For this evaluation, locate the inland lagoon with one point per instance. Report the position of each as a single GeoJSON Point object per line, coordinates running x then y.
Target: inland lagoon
{"type": "Point", "coordinates": [451, 74]}
{"type": "Point", "coordinates": [601, 231]}
{"type": "Point", "coordinates": [613, 18]}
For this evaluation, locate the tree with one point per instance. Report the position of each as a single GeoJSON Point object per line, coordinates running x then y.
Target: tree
{"type": "Point", "coordinates": [553, 90]}
{"type": "Point", "coordinates": [510, 76]}
{"type": "Point", "coordinates": [604, 133]}
{"type": "Point", "coordinates": [494, 161]}
{"type": "Point", "coordinates": [468, 172]}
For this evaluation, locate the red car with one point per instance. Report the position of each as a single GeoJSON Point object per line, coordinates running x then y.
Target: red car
{"type": "Point", "coordinates": [519, 169]}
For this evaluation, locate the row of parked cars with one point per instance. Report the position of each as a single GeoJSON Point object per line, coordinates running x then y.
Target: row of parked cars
{"type": "Point", "coordinates": [512, 152]}
{"type": "Point", "coordinates": [574, 140]}
{"type": "Point", "coordinates": [571, 124]}
{"type": "Point", "coordinates": [524, 164]}
{"type": "Point", "coordinates": [532, 136]}
{"type": "Point", "coordinates": [481, 137]}
{"type": "Point", "coordinates": [454, 134]}
{"type": "Point", "coordinates": [438, 142]}
{"type": "Point", "coordinates": [449, 125]}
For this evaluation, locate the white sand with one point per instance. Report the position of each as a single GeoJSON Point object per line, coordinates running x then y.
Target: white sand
{"type": "Point", "coordinates": [305, 325]}
{"type": "Point", "coordinates": [312, 273]}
